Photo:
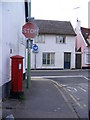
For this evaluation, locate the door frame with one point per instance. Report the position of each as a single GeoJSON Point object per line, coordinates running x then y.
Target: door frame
{"type": "Point", "coordinates": [79, 53]}
{"type": "Point", "coordinates": [69, 63]}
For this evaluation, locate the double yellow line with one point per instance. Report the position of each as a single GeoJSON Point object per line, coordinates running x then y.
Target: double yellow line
{"type": "Point", "coordinates": [60, 86]}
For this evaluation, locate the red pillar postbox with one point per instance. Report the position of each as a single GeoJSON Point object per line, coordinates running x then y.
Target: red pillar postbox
{"type": "Point", "coordinates": [17, 74]}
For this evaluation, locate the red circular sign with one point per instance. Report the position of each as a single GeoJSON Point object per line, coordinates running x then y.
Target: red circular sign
{"type": "Point", "coordinates": [30, 30]}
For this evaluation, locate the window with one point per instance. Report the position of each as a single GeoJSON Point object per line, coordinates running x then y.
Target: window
{"type": "Point", "coordinates": [88, 39]}
{"type": "Point", "coordinates": [48, 58]}
{"type": "Point", "coordinates": [40, 39]}
{"type": "Point", "coordinates": [87, 58]}
{"type": "Point", "coordinates": [60, 39]}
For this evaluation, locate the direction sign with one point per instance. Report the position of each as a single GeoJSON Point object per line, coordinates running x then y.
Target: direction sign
{"type": "Point", "coordinates": [30, 30]}
{"type": "Point", "coordinates": [35, 48]}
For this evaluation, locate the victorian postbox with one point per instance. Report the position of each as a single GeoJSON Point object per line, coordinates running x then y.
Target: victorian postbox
{"type": "Point", "coordinates": [17, 74]}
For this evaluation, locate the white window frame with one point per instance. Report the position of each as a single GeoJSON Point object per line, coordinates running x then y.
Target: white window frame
{"type": "Point", "coordinates": [40, 39]}
{"type": "Point", "coordinates": [87, 60]}
{"type": "Point", "coordinates": [50, 64]}
{"type": "Point", "coordinates": [60, 39]}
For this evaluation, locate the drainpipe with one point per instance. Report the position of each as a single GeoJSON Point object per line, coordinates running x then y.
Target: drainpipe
{"type": "Point", "coordinates": [29, 50]}
{"type": "Point", "coordinates": [29, 8]}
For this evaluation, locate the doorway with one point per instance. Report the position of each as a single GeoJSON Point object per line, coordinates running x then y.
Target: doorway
{"type": "Point", "coordinates": [78, 61]}
{"type": "Point", "coordinates": [67, 60]}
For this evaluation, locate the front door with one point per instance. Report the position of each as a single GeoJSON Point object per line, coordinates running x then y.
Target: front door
{"type": "Point", "coordinates": [67, 60]}
{"type": "Point", "coordinates": [78, 61]}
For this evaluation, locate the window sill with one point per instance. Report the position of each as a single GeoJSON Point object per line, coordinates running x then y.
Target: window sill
{"type": "Point", "coordinates": [48, 65]}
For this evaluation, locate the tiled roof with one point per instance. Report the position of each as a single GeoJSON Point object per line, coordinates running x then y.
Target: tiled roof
{"type": "Point", "coordinates": [86, 34]}
{"type": "Point", "coordinates": [55, 27]}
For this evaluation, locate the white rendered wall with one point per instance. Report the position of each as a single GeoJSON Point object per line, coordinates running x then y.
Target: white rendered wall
{"type": "Point", "coordinates": [0, 43]}
{"type": "Point", "coordinates": [50, 45]}
{"type": "Point", "coordinates": [89, 14]}
{"type": "Point", "coordinates": [13, 16]}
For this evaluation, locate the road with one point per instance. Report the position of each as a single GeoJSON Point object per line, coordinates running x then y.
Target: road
{"type": "Point", "coordinates": [59, 72]}
{"type": "Point", "coordinates": [73, 84]}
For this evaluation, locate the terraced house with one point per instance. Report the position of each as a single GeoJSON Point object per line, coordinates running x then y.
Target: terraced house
{"type": "Point", "coordinates": [82, 46]}
{"type": "Point", "coordinates": [56, 45]}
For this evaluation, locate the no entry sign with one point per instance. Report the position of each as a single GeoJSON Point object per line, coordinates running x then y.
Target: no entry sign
{"type": "Point", "coordinates": [30, 30]}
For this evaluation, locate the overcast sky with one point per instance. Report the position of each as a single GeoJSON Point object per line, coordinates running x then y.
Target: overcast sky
{"type": "Point", "coordinates": [62, 10]}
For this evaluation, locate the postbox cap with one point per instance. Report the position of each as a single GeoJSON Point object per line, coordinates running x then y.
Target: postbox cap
{"type": "Point", "coordinates": [17, 57]}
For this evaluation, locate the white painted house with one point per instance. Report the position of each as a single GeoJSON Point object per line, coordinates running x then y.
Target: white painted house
{"type": "Point", "coordinates": [56, 45]}
{"type": "Point", "coordinates": [12, 41]}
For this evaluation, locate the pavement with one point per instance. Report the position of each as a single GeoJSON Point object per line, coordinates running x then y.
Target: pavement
{"type": "Point", "coordinates": [44, 99]}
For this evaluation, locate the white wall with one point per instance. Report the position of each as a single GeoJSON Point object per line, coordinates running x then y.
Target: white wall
{"type": "Point", "coordinates": [13, 16]}
{"type": "Point", "coordinates": [89, 14]}
{"type": "Point", "coordinates": [0, 43]}
{"type": "Point", "coordinates": [50, 45]}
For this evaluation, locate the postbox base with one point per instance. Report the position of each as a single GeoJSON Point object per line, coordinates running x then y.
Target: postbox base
{"type": "Point", "coordinates": [16, 95]}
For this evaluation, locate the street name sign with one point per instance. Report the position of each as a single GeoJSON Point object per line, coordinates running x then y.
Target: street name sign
{"type": "Point", "coordinates": [30, 30]}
